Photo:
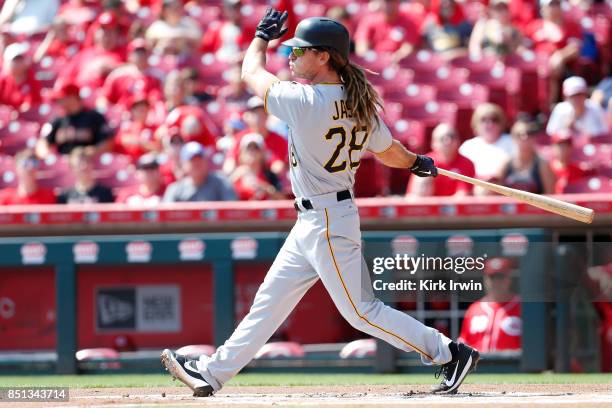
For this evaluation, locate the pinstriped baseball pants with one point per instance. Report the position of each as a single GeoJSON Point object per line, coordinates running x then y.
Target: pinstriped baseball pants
{"type": "Point", "coordinates": [324, 244]}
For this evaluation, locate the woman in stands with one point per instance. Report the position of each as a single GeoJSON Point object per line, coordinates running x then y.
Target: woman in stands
{"type": "Point", "coordinates": [526, 170]}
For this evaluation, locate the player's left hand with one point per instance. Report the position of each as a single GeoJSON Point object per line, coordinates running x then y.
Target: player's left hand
{"type": "Point", "coordinates": [424, 167]}
{"type": "Point", "coordinates": [271, 25]}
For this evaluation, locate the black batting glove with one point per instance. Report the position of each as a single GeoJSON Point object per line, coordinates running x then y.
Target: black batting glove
{"type": "Point", "coordinates": [424, 167]}
{"type": "Point", "coordinates": [271, 25]}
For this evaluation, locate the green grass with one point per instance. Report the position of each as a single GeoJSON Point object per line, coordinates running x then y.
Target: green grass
{"type": "Point", "coordinates": [255, 379]}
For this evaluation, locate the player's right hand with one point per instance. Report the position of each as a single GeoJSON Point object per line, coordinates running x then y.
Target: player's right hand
{"type": "Point", "coordinates": [424, 167]}
{"type": "Point", "coordinates": [271, 25]}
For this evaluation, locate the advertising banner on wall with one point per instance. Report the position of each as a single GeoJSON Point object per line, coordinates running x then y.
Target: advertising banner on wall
{"type": "Point", "coordinates": [146, 308]}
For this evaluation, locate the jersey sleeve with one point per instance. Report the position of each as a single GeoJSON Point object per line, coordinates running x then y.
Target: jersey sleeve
{"type": "Point", "coordinates": [287, 100]}
{"type": "Point", "coordinates": [380, 139]}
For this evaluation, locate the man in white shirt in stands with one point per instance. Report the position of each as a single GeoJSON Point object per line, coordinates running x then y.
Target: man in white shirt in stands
{"type": "Point", "coordinates": [577, 113]}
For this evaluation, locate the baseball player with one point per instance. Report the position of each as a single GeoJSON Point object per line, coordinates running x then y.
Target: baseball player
{"type": "Point", "coordinates": [333, 120]}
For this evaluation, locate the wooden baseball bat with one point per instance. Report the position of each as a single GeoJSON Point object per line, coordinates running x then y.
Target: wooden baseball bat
{"type": "Point", "coordinates": [568, 210]}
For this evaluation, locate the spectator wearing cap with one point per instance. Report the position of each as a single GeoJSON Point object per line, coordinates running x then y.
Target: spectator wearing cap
{"type": "Point", "coordinates": [135, 77]}
{"type": "Point", "coordinates": [446, 28]}
{"type": "Point", "coordinates": [18, 87]}
{"type": "Point", "coordinates": [228, 37]}
{"type": "Point", "coordinates": [445, 143]}
{"type": "Point", "coordinates": [495, 35]}
{"type": "Point", "coordinates": [200, 182]}
{"type": "Point", "coordinates": [252, 179]}
{"type": "Point", "coordinates": [566, 171]}
{"type": "Point", "coordinates": [387, 31]}
{"type": "Point", "coordinates": [490, 149]}
{"type": "Point", "coordinates": [494, 323]}
{"type": "Point", "coordinates": [577, 113]}
{"type": "Point", "coordinates": [173, 32]}
{"type": "Point", "coordinates": [90, 67]}
{"type": "Point", "coordinates": [27, 17]}
{"type": "Point", "coordinates": [557, 38]}
{"type": "Point", "coordinates": [276, 147]}
{"type": "Point", "coordinates": [136, 135]}
{"type": "Point", "coordinates": [27, 190]}
{"type": "Point", "coordinates": [526, 170]}
{"type": "Point", "coordinates": [78, 125]}
{"type": "Point", "coordinates": [150, 188]}
{"type": "Point", "coordinates": [86, 189]}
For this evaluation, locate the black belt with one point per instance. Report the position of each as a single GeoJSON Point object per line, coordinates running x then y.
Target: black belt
{"type": "Point", "coordinates": [307, 204]}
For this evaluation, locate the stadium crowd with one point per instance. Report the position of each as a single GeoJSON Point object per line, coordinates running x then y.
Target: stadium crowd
{"type": "Point", "coordinates": [141, 101]}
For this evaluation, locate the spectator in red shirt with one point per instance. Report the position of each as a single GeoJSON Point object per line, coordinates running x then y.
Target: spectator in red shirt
{"type": "Point", "coordinates": [252, 179]}
{"type": "Point", "coordinates": [135, 77]}
{"type": "Point", "coordinates": [136, 136]}
{"type": "Point", "coordinates": [228, 37]}
{"type": "Point", "coordinates": [256, 118]}
{"type": "Point", "coordinates": [445, 142]}
{"type": "Point", "coordinates": [192, 123]}
{"type": "Point", "coordinates": [565, 171]}
{"type": "Point", "coordinates": [78, 126]}
{"type": "Point", "coordinates": [150, 188]}
{"type": "Point", "coordinates": [91, 66]}
{"type": "Point", "coordinates": [18, 87]}
{"type": "Point", "coordinates": [27, 190]}
{"type": "Point", "coordinates": [557, 38]}
{"type": "Point", "coordinates": [388, 31]}
{"type": "Point", "coordinates": [494, 322]}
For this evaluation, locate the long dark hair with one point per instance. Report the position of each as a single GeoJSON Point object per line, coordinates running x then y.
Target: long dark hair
{"type": "Point", "coordinates": [361, 97]}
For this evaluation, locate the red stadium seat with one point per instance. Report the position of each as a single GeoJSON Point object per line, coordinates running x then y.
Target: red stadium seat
{"type": "Point", "coordinates": [431, 114]}
{"type": "Point", "coordinates": [472, 64]}
{"type": "Point", "coordinates": [114, 170]}
{"type": "Point", "coordinates": [392, 79]}
{"type": "Point", "coordinates": [534, 81]}
{"type": "Point", "coordinates": [18, 135]}
{"type": "Point", "coordinates": [392, 112]}
{"type": "Point", "coordinates": [596, 184]}
{"type": "Point", "coordinates": [413, 135]}
{"type": "Point", "coordinates": [411, 95]}
{"type": "Point", "coordinates": [41, 114]}
{"type": "Point", "coordinates": [422, 61]}
{"type": "Point", "coordinates": [371, 179]}
{"type": "Point", "coordinates": [443, 76]}
{"type": "Point", "coordinates": [466, 96]}
{"type": "Point", "coordinates": [8, 177]}
{"type": "Point", "coordinates": [504, 85]}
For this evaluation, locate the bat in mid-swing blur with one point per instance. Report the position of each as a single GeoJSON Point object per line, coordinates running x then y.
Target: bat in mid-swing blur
{"type": "Point", "coordinates": [563, 208]}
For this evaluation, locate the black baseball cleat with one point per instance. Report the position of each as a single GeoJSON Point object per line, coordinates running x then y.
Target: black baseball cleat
{"type": "Point", "coordinates": [186, 371]}
{"type": "Point", "coordinates": [455, 371]}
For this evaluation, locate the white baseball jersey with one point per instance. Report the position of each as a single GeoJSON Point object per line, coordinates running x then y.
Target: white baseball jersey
{"type": "Point", "coordinates": [325, 145]}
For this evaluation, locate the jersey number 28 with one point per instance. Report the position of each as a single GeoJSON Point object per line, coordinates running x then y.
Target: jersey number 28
{"type": "Point", "coordinates": [332, 164]}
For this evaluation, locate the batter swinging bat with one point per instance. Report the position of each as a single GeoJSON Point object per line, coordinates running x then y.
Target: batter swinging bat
{"type": "Point", "coordinates": [568, 210]}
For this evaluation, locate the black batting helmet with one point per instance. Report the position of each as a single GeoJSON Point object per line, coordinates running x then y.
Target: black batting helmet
{"type": "Point", "coordinates": [321, 32]}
